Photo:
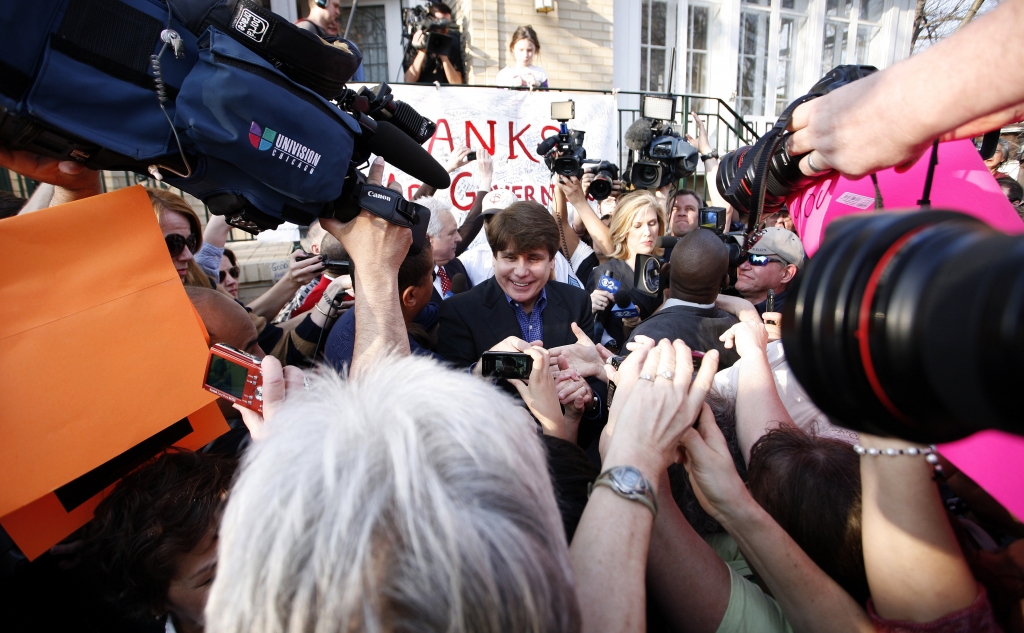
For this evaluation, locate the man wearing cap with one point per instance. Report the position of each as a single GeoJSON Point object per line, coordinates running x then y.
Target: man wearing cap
{"type": "Point", "coordinates": [772, 263]}
{"type": "Point", "coordinates": [478, 258]}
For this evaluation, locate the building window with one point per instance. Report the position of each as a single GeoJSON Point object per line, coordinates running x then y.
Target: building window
{"type": "Point", "coordinates": [369, 34]}
{"type": "Point", "coordinates": [843, 17]}
{"type": "Point", "coordinates": [771, 32]}
{"type": "Point", "coordinates": [655, 32]}
{"type": "Point", "coordinates": [697, 49]}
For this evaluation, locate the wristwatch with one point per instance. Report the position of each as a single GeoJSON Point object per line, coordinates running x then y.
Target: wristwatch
{"type": "Point", "coordinates": [712, 154]}
{"type": "Point", "coordinates": [630, 483]}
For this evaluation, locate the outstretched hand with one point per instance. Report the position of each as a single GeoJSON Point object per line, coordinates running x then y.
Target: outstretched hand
{"type": "Point", "coordinates": [708, 462]}
{"type": "Point", "coordinates": [583, 356]}
{"type": "Point", "coordinates": [655, 403]}
{"type": "Point", "coordinates": [748, 337]}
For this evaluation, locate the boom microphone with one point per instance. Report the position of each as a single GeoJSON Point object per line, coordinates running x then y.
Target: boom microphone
{"type": "Point", "coordinates": [639, 135]}
{"type": "Point", "coordinates": [398, 149]}
{"type": "Point", "coordinates": [665, 241]}
{"type": "Point", "coordinates": [460, 283]}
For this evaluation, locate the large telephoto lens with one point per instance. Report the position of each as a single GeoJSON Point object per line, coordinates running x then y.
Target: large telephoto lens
{"type": "Point", "coordinates": [912, 325]}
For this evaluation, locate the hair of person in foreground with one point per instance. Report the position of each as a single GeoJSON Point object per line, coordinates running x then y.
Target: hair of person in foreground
{"type": "Point", "coordinates": [408, 497]}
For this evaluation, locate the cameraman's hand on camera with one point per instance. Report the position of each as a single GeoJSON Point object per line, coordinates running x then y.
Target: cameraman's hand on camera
{"type": "Point", "coordinates": [376, 249]}
{"type": "Point", "coordinates": [773, 323]}
{"type": "Point", "coordinates": [303, 271]}
{"type": "Point", "coordinates": [600, 300]}
{"type": "Point", "coordinates": [72, 179]}
{"type": "Point", "coordinates": [277, 382]}
{"type": "Point", "coordinates": [457, 159]}
{"type": "Point", "coordinates": [572, 187]}
{"type": "Point", "coordinates": [419, 40]}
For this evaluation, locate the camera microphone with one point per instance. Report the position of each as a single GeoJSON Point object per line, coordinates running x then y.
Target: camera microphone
{"type": "Point", "coordinates": [639, 135]}
{"type": "Point", "coordinates": [460, 283]}
{"type": "Point", "coordinates": [666, 241]}
{"type": "Point", "coordinates": [401, 151]}
{"type": "Point", "coordinates": [545, 146]}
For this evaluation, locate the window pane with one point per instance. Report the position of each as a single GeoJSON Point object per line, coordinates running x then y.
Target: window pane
{"type": "Point", "coordinates": [644, 52]}
{"type": "Point", "coordinates": [871, 10]}
{"type": "Point", "coordinates": [763, 3]}
{"type": "Point", "coordinates": [838, 8]}
{"type": "Point", "coordinates": [753, 62]}
{"type": "Point", "coordinates": [696, 81]}
{"type": "Point", "coordinates": [658, 79]}
{"type": "Point", "coordinates": [833, 50]}
{"type": "Point", "coordinates": [370, 35]}
{"type": "Point", "coordinates": [788, 28]}
{"type": "Point", "coordinates": [658, 22]}
{"type": "Point", "coordinates": [645, 21]}
{"type": "Point", "coordinates": [698, 21]}
{"type": "Point", "coordinates": [865, 35]}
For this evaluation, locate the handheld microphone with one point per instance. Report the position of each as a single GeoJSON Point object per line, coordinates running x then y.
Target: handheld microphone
{"type": "Point", "coordinates": [401, 151]}
{"type": "Point", "coordinates": [639, 135]}
{"type": "Point", "coordinates": [624, 308]}
{"type": "Point", "coordinates": [608, 283]}
{"type": "Point", "coordinates": [666, 241]}
{"type": "Point", "coordinates": [460, 283]}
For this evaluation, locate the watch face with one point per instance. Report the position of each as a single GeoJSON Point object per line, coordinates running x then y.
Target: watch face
{"type": "Point", "coordinates": [628, 478]}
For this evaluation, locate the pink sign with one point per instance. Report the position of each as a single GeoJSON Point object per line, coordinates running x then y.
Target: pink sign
{"type": "Point", "coordinates": [993, 459]}
{"type": "Point", "coordinates": [961, 183]}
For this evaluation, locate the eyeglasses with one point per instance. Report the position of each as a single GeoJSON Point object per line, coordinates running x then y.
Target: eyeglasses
{"type": "Point", "coordinates": [233, 271]}
{"type": "Point", "coordinates": [762, 260]}
{"type": "Point", "coordinates": [177, 243]}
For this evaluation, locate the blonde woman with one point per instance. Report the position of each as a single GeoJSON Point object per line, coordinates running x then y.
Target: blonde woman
{"type": "Point", "coordinates": [638, 222]}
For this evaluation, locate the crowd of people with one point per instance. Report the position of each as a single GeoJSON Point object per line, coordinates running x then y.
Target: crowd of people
{"type": "Point", "coordinates": [659, 469]}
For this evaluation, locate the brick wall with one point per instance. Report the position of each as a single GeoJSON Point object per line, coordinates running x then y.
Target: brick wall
{"type": "Point", "coordinates": [575, 38]}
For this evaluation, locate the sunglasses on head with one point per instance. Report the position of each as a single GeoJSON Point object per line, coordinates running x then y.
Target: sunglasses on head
{"type": "Point", "coordinates": [233, 271]}
{"type": "Point", "coordinates": [762, 260]}
{"type": "Point", "coordinates": [177, 243]}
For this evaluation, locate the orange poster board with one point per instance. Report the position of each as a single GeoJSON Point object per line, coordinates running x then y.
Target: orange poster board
{"type": "Point", "coordinates": [100, 348]}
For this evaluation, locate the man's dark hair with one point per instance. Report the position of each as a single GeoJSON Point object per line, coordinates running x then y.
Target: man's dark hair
{"type": "Point", "coordinates": [331, 249]}
{"type": "Point", "coordinates": [10, 204]}
{"type": "Point", "coordinates": [810, 485]}
{"type": "Point", "coordinates": [521, 228]}
{"type": "Point", "coordinates": [690, 192]}
{"type": "Point", "coordinates": [1011, 189]}
{"type": "Point", "coordinates": [230, 254]}
{"type": "Point", "coordinates": [440, 7]}
{"type": "Point", "coordinates": [415, 267]}
{"type": "Point", "coordinates": [154, 517]}
{"type": "Point", "coordinates": [571, 474]}
{"type": "Point", "coordinates": [699, 263]}
{"type": "Point", "coordinates": [703, 523]}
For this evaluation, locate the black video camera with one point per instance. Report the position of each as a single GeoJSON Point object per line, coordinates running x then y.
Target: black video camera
{"type": "Point", "coordinates": [436, 40]}
{"type": "Point", "coordinates": [563, 153]}
{"type": "Point", "coordinates": [713, 219]}
{"type": "Point", "coordinates": [662, 154]}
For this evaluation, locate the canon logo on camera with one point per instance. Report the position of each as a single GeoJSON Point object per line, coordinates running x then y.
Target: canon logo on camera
{"type": "Point", "coordinates": [379, 196]}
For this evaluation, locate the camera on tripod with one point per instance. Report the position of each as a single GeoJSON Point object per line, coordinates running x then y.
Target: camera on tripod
{"type": "Point", "coordinates": [663, 155]}
{"type": "Point", "coordinates": [436, 40]}
{"type": "Point", "coordinates": [564, 154]}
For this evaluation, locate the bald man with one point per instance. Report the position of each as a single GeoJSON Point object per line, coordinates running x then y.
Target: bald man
{"type": "Point", "coordinates": [226, 321]}
{"type": "Point", "coordinates": [700, 263]}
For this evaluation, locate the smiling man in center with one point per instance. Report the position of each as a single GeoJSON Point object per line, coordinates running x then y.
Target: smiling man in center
{"type": "Point", "coordinates": [520, 301]}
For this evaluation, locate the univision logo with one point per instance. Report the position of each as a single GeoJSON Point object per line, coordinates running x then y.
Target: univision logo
{"type": "Point", "coordinates": [284, 148]}
{"type": "Point", "coordinates": [261, 139]}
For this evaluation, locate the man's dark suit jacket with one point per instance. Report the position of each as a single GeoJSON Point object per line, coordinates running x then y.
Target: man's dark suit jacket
{"type": "Point", "coordinates": [473, 322]}
{"type": "Point", "coordinates": [453, 268]}
{"type": "Point", "coordinates": [697, 327]}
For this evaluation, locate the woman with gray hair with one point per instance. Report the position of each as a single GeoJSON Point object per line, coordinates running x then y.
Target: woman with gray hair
{"type": "Point", "coordinates": [377, 504]}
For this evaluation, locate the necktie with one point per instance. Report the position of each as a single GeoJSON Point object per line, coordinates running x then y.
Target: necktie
{"type": "Point", "coordinates": [446, 283]}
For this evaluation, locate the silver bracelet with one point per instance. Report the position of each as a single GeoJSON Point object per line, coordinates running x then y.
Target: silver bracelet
{"type": "Point", "coordinates": [930, 455]}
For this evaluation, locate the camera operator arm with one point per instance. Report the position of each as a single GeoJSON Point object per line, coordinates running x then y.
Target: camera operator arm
{"type": "Point", "coordinates": [585, 213]}
{"type": "Point", "coordinates": [376, 249]}
{"type": "Point", "coordinates": [450, 71]}
{"type": "Point", "coordinates": [415, 69]}
{"type": "Point", "coordinates": [71, 180]}
{"type": "Point", "coordinates": [568, 240]}
{"type": "Point", "coordinates": [950, 91]}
